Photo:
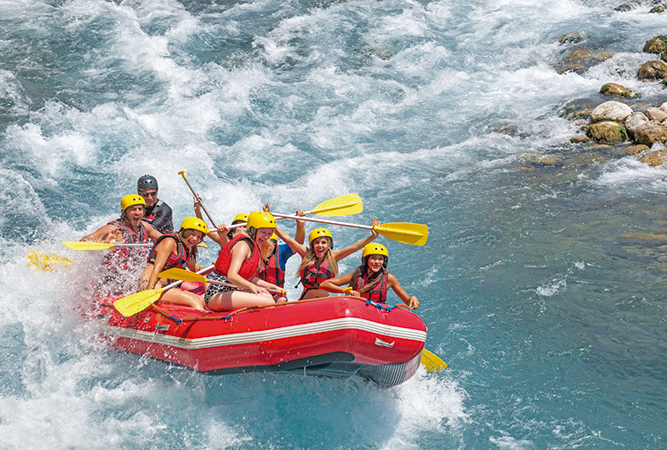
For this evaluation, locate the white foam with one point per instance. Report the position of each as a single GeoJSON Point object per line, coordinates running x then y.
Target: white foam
{"type": "Point", "coordinates": [428, 403]}
{"type": "Point", "coordinates": [552, 288]}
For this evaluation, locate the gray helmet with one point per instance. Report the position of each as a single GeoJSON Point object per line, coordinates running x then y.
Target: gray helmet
{"type": "Point", "coordinates": [147, 182]}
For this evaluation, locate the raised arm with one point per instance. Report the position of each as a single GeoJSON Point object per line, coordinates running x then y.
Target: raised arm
{"type": "Point", "coordinates": [347, 251]}
{"type": "Point", "coordinates": [300, 234]}
{"type": "Point", "coordinates": [294, 245]}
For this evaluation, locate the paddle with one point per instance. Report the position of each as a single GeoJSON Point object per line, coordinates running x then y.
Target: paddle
{"type": "Point", "coordinates": [186, 275]}
{"type": "Point", "coordinates": [432, 362]}
{"type": "Point", "coordinates": [86, 246]}
{"type": "Point", "coordinates": [345, 205]}
{"type": "Point", "coordinates": [407, 233]}
{"type": "Point", "coordinates": [139, 301]}
{"type": "Point", "coordinates": [47, 261]}
{"type": "Point", "coordinates": [182, 173]}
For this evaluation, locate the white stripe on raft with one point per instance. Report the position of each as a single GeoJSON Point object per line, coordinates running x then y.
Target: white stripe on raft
{"type": "Point", "coordinates": [347, 323]}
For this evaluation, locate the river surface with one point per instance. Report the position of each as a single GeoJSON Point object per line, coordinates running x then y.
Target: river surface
{"type": "Point", "coordinates": [552, 323]}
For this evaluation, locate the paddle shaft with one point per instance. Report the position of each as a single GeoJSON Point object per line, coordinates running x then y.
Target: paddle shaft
{"type": "Point", "coordinates": [132, 245]}
{"type": "Point", "coordinates": [328, 222]}
{"type": "Point", "coordinates": [182, 173]}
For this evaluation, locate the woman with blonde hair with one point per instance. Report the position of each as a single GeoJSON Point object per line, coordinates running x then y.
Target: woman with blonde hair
{"type": "Point", "coordinates": [319, 261]}
{"type": "Point", "coordinates": [238, 265]}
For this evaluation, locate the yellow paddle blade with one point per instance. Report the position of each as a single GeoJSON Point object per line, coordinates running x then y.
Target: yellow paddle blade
{"type": "Point", "coordinates": [432, 362]}
{"type": "Point", "coordinates": [135, 303]}
{"type": "Point", "coordinates": [182, 274]}
{"type": "Point", "coordinates": [407, 233]}
{"type": "Point", "coordinates": [47, 261]}
{"type": "Point", "coordinates": [345, 205]}
{"type": "Point", "coordinates": [83, 246]}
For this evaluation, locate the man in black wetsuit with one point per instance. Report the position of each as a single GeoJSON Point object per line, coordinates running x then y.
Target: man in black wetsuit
{"type": "Point", "coordinates": [158, 213]}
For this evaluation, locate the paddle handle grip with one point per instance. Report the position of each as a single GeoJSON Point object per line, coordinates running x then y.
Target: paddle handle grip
{"type": "Point", "coordinates": [328, 222]}
{"type": "Point", "coordinates": [182, 173]}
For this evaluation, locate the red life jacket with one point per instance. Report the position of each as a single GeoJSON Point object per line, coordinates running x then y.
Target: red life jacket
{"type": "Point", "coordinates": [272, 273]}
{"type": "Point", "coordinates": [132, 237]}
{"type": "Point", "coordinates": [379, 292]}
{"type": "Point", "coordinates": [178, 259]}
{"type": "Point", "coordinates": [120, 257]}
{"type": "Point", "coordinates": [248, 268]}
{"type": "Point", "coordinates": [312, 275]}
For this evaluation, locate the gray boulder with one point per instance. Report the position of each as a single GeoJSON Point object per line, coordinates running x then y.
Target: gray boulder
{"type": "Point", "coordinates": [611, 110]}
{"type": "Point", "coordinates": [633, 121]}
{"type": "Point", "coordinates": [656, 114]}
{"type": "Point", "coordinates": [650, 133]}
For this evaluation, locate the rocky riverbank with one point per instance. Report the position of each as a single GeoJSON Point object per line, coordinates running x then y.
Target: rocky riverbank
{"type": "Point", "coordinates": [623, 126]}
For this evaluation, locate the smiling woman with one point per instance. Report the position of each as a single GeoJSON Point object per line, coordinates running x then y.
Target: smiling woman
{"type": "Point", "coordinates": [370, 280]}
{"type": "Point", "coordinates": [176, 250]}
{"type": "Point", "coordinates": [240, 264]}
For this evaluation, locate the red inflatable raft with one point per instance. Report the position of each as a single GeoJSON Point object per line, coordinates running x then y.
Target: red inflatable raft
{"type": "Point", "coordinates": [335, 336]}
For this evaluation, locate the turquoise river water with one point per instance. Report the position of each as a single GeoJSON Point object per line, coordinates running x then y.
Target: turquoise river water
{"type": "Point", "coordinates": [552, 323]}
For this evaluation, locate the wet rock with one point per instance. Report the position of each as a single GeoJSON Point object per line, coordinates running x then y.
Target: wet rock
{"type": "Point", "coordinates": [657, 44]}
{"type": "Point", "coordinates": [656, 114]}
{"type": "Point", "coordinates": [628, 6]}
{"type": "Point", "coordinates": [655, 158]}
{"type": "Point", "coordinates": [611, 111]}
{"type": "Point", "coordinates": [652, 70]}
{"type": "Point", "coordinates": [510, 130]}
{"type": "Point", "coordinates": [657, 9]}
{"type": "Point", "coordinates": [615, 90]}
{"type": "Point", "coordinates": [580, 114]}
{"type": "Point", "coordinates": [541, 160]}
{"type": "Point", "coordinates": [572, 37]}
{"type": "Point", "coordinates": [580, 140]}
{"type": "Point", "coordinates": [663, 107]}
{"type": "Point", "coordinates": [650, 133]}
{"type": "Point", "coordinates": [581, 59]}
{"type": "Point", "coordinates": [633, 121]}
{"type": "Point", "coordinates": [383, 53]}
{"type": "Point", "coordinates": [636, 149]}
{"type": "Point", "coordinates": [607, 132]}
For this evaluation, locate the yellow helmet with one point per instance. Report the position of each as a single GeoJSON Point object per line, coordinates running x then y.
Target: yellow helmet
{"type": "Point", "coordinates": [317, 233]}
{"type": "Point", "coordinates": [274, 237]}
{"type": "Point", "coordinates": [240, 217]}
{"type": "Point", "coordinates": [260, 219]}
{"type": "Point", "coordinates": [194, 223]}
{"type": "Point", "coordinates": [375, 249]}
{"type": "Point", "coordinates": [131, 200]}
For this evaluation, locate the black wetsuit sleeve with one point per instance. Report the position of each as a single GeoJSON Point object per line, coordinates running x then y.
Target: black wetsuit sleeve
{"type": "Point", "coordinates": [163, 221]}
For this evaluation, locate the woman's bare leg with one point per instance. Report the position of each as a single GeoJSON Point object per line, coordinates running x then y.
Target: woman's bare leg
{"type": "Point", "coordinates": [230, 300]}
{"type": "Point", "coordinates": [184, 298]}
